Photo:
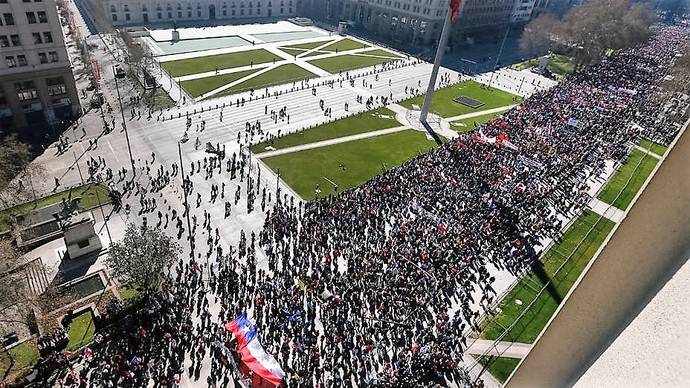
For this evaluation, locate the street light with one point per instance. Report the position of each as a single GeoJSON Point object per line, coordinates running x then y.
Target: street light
{"type": "Point", "coordinates": [124, 123]}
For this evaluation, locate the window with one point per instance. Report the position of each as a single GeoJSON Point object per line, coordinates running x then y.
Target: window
{"type": "Point", "coordinates": [169, 15]}
{"type": "Point", "coordinates": [198, 13]}
{"type": "Point", "coordinates": [4, 42]}
{"type": "Point", "coordinates": [179, 14]}
{"type": "Point", "coordinates": [21, 60]}
{"type": "Point", "coordinates": [10, 62]}
{"type": "Point", "coordinates": [112, 9]}
{"type": "Point", "coordinates": [26, 90]}
{"type": "Point", "coordinates": [43, 57]}
{"type": "Point", "coordinates": [42, 18]}
{"type": "Point", "coordinates": [9, 19]}
{"type": "Point", "coordinates": [37, 38]}
{"type": "Point", "coordinates": [56, 86]}
{"type": "Point", "coordinates": [114, 17]}
{"type": "Point", "coordinates": [127, 17]}
{"type": "Point", "coordinates": [31, 18]}
{"type": "Point", "coordinates": [53, 56]}
{"type": "Point", "coordinates": [160, 15]}
{"type": "Point", "coordinates": [48, 37]}
{"type": "Point", "coordinates": [189, 14]}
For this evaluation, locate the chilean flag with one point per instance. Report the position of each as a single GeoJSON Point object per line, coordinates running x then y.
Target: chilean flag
{"type": "Point", "coordinates": [253, 354]}
{"type": "Point", "coordinates": [454, 7]}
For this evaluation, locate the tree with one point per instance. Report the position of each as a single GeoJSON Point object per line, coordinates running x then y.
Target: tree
{"type": "Point", "coordinates": [537, 37]}
{"type": "Point", "coordinates": [16, 172]}
{"type": "Point", "coordinates": [596, 26]}
{"type": "Point", "coordinates": [142, 257]}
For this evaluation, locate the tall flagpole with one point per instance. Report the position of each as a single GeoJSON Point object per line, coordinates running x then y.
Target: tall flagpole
{"type": "Point", "coordinates": [443, 40]}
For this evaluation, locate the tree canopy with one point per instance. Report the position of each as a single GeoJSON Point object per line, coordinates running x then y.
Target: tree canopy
{"type": "Point", "coordinates": [142, 256]}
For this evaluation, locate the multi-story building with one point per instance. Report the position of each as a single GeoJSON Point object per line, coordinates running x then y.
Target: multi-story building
{"type": "Point", "coordinates": [143, 12]}
{"type": "Point", "coordinates": [522, 11]}
{"type": "Point", "coordinates": [37, 89]}
{"type": "Point", "coordinates": [414, 22]}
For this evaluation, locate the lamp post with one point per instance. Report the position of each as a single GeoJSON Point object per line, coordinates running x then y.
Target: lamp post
{"type": "Point", "coordinates": [124, 124]}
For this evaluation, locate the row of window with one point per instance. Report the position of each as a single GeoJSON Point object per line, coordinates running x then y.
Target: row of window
{"type": "Point", "coordinates": [159, 15]}
{"type": "Point", "coordinates": [20, 60]}
{"type": "Point", "coordinates": [169, 7]}
{"type": "Point", "coordinates": [31, 18]}
{"type": "Point", "coordinates": [38, 38]}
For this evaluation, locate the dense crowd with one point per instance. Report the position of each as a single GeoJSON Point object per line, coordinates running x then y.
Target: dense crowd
{"type": "Point", "coordinates": [379, 285]}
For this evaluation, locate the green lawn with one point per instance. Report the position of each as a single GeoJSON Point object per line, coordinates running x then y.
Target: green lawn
{"type": "Point", "coordinates": [307, 46]}
{"type": "Point", "coordinates": [25, 356]}
{"type": "Point", "coordinates": [654, 147]}
{"type": "Point", "coordinates": [314, 53]}
{"type": "Point", "coordinates": [280, 75]}
{"type": "Point", "coordinates": [500, 367]}
{"type": "Point", "coordinates": [442, 103]}
{"type": "Point", "coordinates": [363, 159]}
{"type": "Point", "coordinates": [344, 45]}
{"type": "Point", "coordinates": [374, 120]}
{"type": "Point", "coordinates": [86, 192]}
{"type": "Point", "coordinates": [200, 86]}
{"type": "Point", "coordinates": [291, 51]}
{"type": "Point", "coordinates": [218, 62]}
{"type": "Point", "coordinates": [466, 125]}
{"type": "Point", "coordinates": [617, 183]}
{"type": "Point", "coordinates": [517, 299]}
{"type": "Point", "coordinates": [560, 65]}
{"type": "Point", "coordinates": [348, 62]}
{"type": "Point", "coordinates": [80, 331]}
{"type": "Point", "coordinates": [380, 52]}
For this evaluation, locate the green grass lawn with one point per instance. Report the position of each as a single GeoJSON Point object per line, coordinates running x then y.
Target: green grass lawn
{"type": "Point", "coordinates": [500, 367]}
{"type": "Point", "coordinates": [314, 53]}
{"type": "Point", "coordinates": [280, 75]}
{"type": "Point", "coordinates": [374, 120]}
{"type": "Point", "coordinates": [25, 356]}
{"type": "Point", "coordinates": [222, 61]}
{"type": "Point", "coordinates": [442, 103]}
{"type": "Point", "coordinates": [346, 44]}
{"type": "Point", "coordinates": [292, 51]}
{"type": "Point", "coordinates": [617, 183]}
{"type": "Point", "coordinates": [363, 160]}
{"type": "Point", "coordinates": [380, 52]}
{"type": "Point", "coordinates": [466, 125]}
{"type": "Point", "coordinates": [87, 192]}
{"type": "Point", "coordinates": [560, 65]}
{"type": "Point", "coordinates": [308, 45]}
{"type": "Point", "coordinates": [654, 147]}
{"type": "Point", "coordinates": [348, 62]}
{"type": "Point", "coordinates": [517, 299]}
{"type": "Point", "coordinates": [80, 331]}
{"type": "Point", "coordinates": [200, 86]}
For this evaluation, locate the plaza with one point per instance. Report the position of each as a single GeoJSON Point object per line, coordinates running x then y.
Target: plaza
{"type": "Point", "coordinates": [291, 164]}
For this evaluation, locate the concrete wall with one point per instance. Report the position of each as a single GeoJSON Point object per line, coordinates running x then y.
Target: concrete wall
{"type": "Point", "coordinates": [645, 250]}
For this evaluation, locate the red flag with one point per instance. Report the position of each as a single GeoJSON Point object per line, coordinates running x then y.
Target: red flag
{"type": "Point", "coordinates": [454, 7]}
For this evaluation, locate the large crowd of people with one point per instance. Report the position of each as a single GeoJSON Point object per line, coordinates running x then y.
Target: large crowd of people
{"type": "Point", "coordinates": [380, 285]}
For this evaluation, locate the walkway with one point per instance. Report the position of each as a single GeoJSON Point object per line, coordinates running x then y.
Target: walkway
{"type": "Point", "coordinates": [329, 142]}
{"type": "Point", "coordinates": [480, 113]}
{"type": "Point", "coordinates": [609, 211]}
{"type": "Point", "coordinates": [484, 347]}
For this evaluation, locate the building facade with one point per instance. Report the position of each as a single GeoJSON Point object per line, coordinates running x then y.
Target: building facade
{"type": "Point", "coordinates": [37, 87]}
{"type": "Point", "coordinates": [414, 22]}
{"type": "Point", "coordinates": [143, 12]}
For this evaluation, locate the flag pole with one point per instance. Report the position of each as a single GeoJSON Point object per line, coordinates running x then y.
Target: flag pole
{"type": "Point", "coordinates": [443, 40]}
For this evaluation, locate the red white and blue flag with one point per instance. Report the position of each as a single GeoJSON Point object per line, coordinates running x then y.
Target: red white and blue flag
{"type": "Point", "coordinates": [253, 354]}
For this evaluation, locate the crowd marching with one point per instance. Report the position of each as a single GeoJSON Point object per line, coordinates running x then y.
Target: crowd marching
{"type": "Point", "coordinates": [380, 285]}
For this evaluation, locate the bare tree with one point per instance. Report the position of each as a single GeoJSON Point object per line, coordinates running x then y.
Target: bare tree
{"type": "Point", "coordinates": [538, 36]}
{"type": "Point", "coordinates": [142, 257]}
{"type": "Point", "coordinates": [16, 172]}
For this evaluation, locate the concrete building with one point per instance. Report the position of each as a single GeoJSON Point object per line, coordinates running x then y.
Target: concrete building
{"type": "Point", "coordinates": [143, 12]}
{"type": "Point", "coordinates": [413, 22]}
{"type": "Point", "coordinates": [522, 11]}
{"type": "Point", "coordinates": [37, 90]}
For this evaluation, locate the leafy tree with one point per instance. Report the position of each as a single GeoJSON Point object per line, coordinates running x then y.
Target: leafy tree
{"type": "Point", "coordinates": [673, 8]}
{"type": "Point", "coordinates": [537, 37]}
{"type": "Point", "coordinates": [142, 257]}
